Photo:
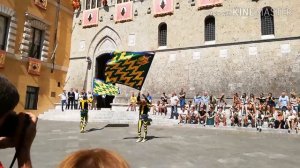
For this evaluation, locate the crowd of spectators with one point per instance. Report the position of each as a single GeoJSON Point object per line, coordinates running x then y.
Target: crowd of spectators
{"type": "Point", "coordinates": [243, 111]}
{"type": "Point", "coordinates": [70, 100]}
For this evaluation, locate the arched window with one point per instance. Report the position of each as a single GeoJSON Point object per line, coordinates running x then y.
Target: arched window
{"type": "Point", "coordinates": [162, 34]}
{"type": "Point", "coordinates": [209, 28]}
{"type": "Point", "coordinates": [267, 21]}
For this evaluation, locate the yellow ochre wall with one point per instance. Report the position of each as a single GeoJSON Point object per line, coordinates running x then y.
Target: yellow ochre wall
{"type": "Point", "coordinates": [16, 70]}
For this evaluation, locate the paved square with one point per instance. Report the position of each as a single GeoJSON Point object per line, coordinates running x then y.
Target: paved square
{"type": "Point", "coordinates": [168, 147]}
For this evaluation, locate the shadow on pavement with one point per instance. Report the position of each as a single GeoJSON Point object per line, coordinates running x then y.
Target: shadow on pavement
{"type": "Point", "coordinates": [148, 137]}
{"type": "Point", "coordinates": [94, 129]}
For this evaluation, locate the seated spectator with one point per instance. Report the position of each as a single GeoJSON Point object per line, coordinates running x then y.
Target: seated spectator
{"type": "Point", "coordinates": [16, 130]}
{"type": "Point", "coordinates": [220, 117]}
{"type": "Point", "coordinates": [158, 108]}
{"type": "Point", "coordinates": [237, 102]}
{"type": "Point", "coordinates": [164, 98]}
{"type": "Point", "coordinates": [210, 118]}
{"type": "Point", "coordinates": [234, 117]}
{"type": "Point", "coordinates": [244, 103]}
{"type": "Point", "coordinates": [94, 158]}
{"type": "Point", "coordinates": [292, 121]}
{"type": "Point", "coordinates": [194, 116]}
{"type": "Point", "coordinates": [202, 115]}
{"type": "Point", "coordinates": [262, 100]}
{"type": "Point", "coordinates": [279, 120]}
{"type": "Point", "coordinates": [184, 115]}
{"type": "Point", "coordinates": [132, 103]}
{"type": "Point", "coordinates": [164, 108]}
{"type": "Point", "coordinates": [250, 116]}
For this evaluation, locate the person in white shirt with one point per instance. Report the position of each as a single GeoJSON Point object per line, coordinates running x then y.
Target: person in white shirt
{"type": "Point", "coordinates": [76, 99]}
{"type": "Point", "coordinates": [283, 101]}
{"type": "Point", "coordinates": [63, 98]}
{"type": "Point", "coordinates": [184, 114]}
{"type": "Point", "coordinates": [174, 102]}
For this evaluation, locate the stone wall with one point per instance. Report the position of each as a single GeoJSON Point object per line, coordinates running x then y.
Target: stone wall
{"type": "Point", "coordinates": [241, 60]}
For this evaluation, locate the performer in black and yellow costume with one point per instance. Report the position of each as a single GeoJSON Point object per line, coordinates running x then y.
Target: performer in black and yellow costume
{"type": "Point", "coordinates": [84, 106]}
{"type": "Point", "coordinates": [144, 108]}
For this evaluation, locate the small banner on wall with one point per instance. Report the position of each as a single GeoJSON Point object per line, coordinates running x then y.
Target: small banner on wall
{"type": "Point", "coordinates": [41, 3]}
{"type": "Point", "coordinates": [34, 67]}
{"type": "Point", "coordinates": [209, 3]}
{"type": "Point", "coordinates": [163, 7]}
{"type": "Point", "coordinates": [90, 17]}
{"type": "Point", "coordinates": [2, 58]}
{"type": "Point", "coordinates": [124, 12]}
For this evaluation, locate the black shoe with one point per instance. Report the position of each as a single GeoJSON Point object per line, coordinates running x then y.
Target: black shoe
{"type": "Point", "coordinates": [260, 130]}
{"type": "Point", "coordinates": [289, 131]}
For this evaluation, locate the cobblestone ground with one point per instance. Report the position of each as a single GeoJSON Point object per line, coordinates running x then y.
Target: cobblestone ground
{"type": "Point", "coordinates": [168, 147]}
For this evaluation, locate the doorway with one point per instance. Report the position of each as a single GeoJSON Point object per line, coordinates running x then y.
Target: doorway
{"type": "Point", "coordinates": [103, 101]}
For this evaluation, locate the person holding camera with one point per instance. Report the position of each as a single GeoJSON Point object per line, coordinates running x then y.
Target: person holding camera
{"type": "Point", "coordinates": [17, 130]}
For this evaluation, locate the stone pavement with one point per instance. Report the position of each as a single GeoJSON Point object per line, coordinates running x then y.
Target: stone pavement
{"type": "Point", "coordinates": [168, 146]}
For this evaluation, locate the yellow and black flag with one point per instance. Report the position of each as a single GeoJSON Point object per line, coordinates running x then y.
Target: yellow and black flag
{"type": "Point", "coordinates": [129, 68]}
{"type": "Point", "coordinates": [101, 88]}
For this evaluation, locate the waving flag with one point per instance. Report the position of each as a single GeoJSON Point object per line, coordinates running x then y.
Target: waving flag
{"type": "Point", "coordinates": [129, 68]}
{"type": "Point", "coordinates": [101, 88]}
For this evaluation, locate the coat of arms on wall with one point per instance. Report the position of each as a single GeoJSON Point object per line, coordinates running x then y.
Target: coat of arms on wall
{"type": "Point", "coordinates": [2, 58]}
{"type": "Point", "coordinates": [41, 3]}
{"type": "Point", "coordinates": [163, 7]}
{"type": "Point", "coordinates": [124, 12]}
{"type": "Point", "coordinates": [34, 67]}
{"type": "Point", "coordinates": [90, 17]}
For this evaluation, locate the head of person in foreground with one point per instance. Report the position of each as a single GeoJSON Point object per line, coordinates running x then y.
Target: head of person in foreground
{"type": "Point", "coordinates": [94, 158]}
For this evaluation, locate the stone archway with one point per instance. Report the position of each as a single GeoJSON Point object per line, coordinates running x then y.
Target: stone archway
{"type": "Point", "coordinates": [105, 41]}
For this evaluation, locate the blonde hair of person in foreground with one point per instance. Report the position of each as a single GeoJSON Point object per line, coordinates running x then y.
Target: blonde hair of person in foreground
{"type": "Point", "coordinates": [94, 158]}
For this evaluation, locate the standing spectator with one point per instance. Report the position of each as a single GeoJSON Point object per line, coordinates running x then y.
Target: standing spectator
{"type": "Point", "coordinates": [76, 99]}
{"type": "Point", "coordinates": [212, 102]}
{"type": "Point", "coordinates": [164, 98]}
{"type": "Point", "coordinates": [182, 99]}
{"type": "Point", "coordinates": [205, 100]}
{"type": "Point", "coordinates": [71, 96]}
{"type": "Point", "coordinates": [63, 99]}
{"type": "Point", "coordinates": [197, 101]}
{"type": "Point", "coordinates": [174, 102]}
{"type": "Point", "coordinates": [149, 97]}
{"type": "Point", "coordinates": [298, 101]}
{"type": "Point", "coordinates": [222, 103]}
{"type": "Point", "coordinates": [293, 101]}
{"type": "Point", "coordinates": [132, 104]}
{"type": "Point", "coordinates": [271, 103]}
{"type": "Point", "coordinates": [283, 102]}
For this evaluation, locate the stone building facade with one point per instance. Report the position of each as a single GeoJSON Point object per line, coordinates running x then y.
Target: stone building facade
{"type": "Point", "coordinates": [240, 58]}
